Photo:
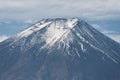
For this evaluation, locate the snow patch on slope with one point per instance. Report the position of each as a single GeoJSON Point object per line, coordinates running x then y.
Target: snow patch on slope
{"type": "Point", "coordinates": [55, 29]}
{"type": "Point", "coordinates": [58, 29]}
{"type": "Point", "coordinates": [32, 29]}
{"type": "Point", "coordinates": [57, 26]}
{"type": "Point", "coordinates": [72, 22]}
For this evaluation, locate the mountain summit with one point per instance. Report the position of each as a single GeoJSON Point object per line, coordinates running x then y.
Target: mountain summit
{"type": "Point", "coordinates": [60, 49]}
{"type": "Point", "coordinates": [54, 29]}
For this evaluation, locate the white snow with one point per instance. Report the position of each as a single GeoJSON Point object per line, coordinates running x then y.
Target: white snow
{"type": "Point", "coordinates": [82, 46]}
{"type": "Point", "coordinates": [72, 22]}
{"type": "Point", "coordinates": [58, 30]}
{"type": "Point", "coordinates": [54, 32]}
{"type": "Point", "coordinates": [77, 52]}
{"type": "Point", "coordinates": [32, 29]}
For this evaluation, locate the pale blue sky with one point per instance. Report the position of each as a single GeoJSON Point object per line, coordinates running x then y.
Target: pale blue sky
{"type": "Point", "coordinates": [15, 15]}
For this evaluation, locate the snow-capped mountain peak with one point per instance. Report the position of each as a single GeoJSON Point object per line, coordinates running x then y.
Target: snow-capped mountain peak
{"type": "Point", "coordinates": [62, 33]}
{"type": "Point", "coordinates": [54, 29]}
{"type": "Point", "coordinates": [60, 49]}
{"type": "Point", "coordinates": [54, 24]}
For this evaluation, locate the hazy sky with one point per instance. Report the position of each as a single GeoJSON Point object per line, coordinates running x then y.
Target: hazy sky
{"type": "Point", "coordinates": [15, 15]}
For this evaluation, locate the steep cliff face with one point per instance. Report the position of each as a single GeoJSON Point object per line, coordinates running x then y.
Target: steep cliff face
{"type": "Point", "coordinates": [60, 49]}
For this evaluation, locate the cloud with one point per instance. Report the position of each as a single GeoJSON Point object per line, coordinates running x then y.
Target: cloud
{"type": "Point", "coordinates": [110, 33]}
{"type": "Point", "coordinates": [36, 9]}
{"type": "Point", "coordinates": [29, 21]}
{"type": "Point", "coordinates": [96, 26]}
{"type": "Point", "coordinates": [115, 37]}
{"type": "Point", "coordinates": [2, 38]}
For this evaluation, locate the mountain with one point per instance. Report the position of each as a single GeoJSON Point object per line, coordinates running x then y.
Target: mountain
{"type": "Point", "coordinates": [60, 49]}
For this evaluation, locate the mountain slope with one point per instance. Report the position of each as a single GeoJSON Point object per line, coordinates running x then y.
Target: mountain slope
{"type": "Point", "coordinates": [60, 49]}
